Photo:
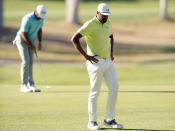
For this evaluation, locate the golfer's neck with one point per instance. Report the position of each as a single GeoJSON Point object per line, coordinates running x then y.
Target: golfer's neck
{"type": "Point", "coordinates": [36, 16]}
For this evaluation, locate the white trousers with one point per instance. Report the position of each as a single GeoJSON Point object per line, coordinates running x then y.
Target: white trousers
{"type": "Point", "coordinates": [104, 68]}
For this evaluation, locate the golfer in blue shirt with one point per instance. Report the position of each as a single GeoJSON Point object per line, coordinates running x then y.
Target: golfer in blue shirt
{"type": "Point", "coordinates": [31, 27]}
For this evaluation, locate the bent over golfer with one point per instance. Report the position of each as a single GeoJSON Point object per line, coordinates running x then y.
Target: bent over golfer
{"type": "Point", "coordinates": [25, 40]}
{"type": "Point", "coordinates": [99, 56]}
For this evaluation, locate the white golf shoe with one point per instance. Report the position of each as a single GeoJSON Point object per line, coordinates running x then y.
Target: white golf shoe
{"type": "Point", "coordinates": [92, 125]}
{"type": "Point", "coordinates": [25, 89]}
{"type": "Point", "coordinates": [34, 89]}
{"type": "Point", "coordinates": [113, 124]}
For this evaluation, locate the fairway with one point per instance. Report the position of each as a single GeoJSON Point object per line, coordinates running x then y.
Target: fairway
{"type": "Point", "coordinates": [64, 108]}
{"type": "Point", "coordinates": [144, 53]}
{"type": "Point", "coordinates": [146, 100]}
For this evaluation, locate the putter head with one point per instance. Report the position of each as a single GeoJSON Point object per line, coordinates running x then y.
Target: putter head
{"type": "Point", "coordinates": [47, 87]}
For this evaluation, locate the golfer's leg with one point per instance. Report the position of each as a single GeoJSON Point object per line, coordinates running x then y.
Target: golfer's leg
{"type": "Point", "coordinates": [24, 54]}
{"type": "Point", "coordinates": [31, 81]}
{"type": "Point", "coordinates": [112, 83]}
{"type": "Point", "coordinates": [95, 82]}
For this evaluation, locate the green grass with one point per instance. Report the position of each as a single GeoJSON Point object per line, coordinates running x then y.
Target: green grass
{"type": "Point", "coordinates": [122, 11]}
{"type": "Point", "coordinates": [158, 73]}
{"type": "Point", "coordinates": [146, 98]}
{"type": "Point", "coordinates": [64, 108]}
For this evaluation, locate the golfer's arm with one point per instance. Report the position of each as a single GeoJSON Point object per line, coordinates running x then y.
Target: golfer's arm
{"type": "Point", "coordinates": [76, 42]}
{"type": "Point", "coordinates": [111, 43]}
{"type": "Point", "coordinates": [26, 39]}
{"type": "Point", "coordinates": [40, 32]}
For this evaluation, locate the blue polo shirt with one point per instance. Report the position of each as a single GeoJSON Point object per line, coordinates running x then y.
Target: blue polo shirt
{"type": "Point", "coordinates": [30, 24]}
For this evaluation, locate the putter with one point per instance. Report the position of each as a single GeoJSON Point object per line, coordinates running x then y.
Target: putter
{"type": "Point", "coordinates": [45, 80]}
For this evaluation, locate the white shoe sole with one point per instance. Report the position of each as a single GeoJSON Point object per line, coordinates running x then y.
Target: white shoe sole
{"type": "Point", "coordinates": [25, 91]}
{"type": "Point", "coordinates": [93, 128]}
{"type": "Point", "coordinates": [113, 126]}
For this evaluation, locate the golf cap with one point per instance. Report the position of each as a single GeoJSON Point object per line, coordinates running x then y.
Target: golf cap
{"type": "Point", "coordinates": [42, 11]}
{"type": "Point", "coordinates": [103, 9]}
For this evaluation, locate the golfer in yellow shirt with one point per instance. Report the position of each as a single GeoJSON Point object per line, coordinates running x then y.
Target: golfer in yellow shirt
{"type": "Point", "coordinates": [99, 56]}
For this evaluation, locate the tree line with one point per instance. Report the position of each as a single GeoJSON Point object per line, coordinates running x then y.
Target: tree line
{"type": "Point", "coordinates": [73, 5]}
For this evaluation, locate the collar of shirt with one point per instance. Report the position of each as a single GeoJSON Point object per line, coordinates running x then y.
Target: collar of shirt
{"type": "Point", "coordinates": [97, 20]}
{"type": "Point", "coordinates": [34, 16]}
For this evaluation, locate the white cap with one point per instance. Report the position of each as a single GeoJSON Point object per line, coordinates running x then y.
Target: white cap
{"type": "Point", "coordinates": [42, 11]}
{"type": "Point", "coordinates": [103, 9]}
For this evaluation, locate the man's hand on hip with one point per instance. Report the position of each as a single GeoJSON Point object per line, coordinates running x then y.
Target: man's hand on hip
{"type": "Point", "coordinates": [112, 58]}
{"type": "Point", "coordinates": [92, 59]}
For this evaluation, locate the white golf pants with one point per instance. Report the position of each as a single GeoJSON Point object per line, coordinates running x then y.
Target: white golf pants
{"type": "Point", "coordinates": [104, 68]}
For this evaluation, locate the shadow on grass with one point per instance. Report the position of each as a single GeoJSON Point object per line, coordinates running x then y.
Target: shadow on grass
{"type": "Point", "coordinates": [107, 91]}
{"type": "Point", "coordinates": [134, 129]}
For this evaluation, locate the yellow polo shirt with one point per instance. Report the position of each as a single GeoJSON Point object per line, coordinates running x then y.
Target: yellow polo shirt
{"type": "Point", "coordinates": [97, 37]}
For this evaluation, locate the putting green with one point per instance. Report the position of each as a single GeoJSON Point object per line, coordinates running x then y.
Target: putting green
{"type": "Point", "coordinates": [64, 108]}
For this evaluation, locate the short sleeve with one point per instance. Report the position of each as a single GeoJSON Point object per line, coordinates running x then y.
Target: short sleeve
{"type": "Point", "coordinates": [84, 30]}
{"type": "Point", "coordinates": [25, 25]}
